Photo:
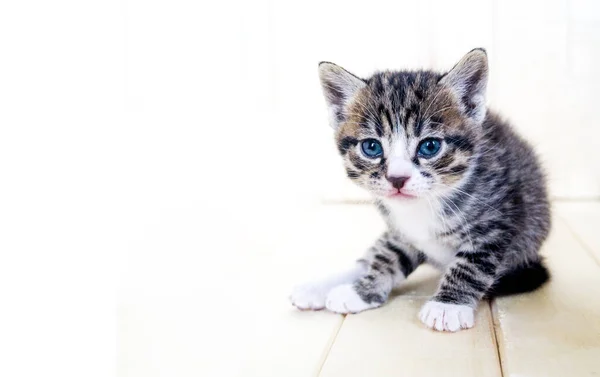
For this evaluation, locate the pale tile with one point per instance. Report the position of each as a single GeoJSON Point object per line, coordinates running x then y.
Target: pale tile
{"type": "Point", "coordinates": [251, 335]}
{"type": "Point", "coordinates": [584, 220]}
{"type": "Point", "coordinates": [421, 283]}
{"type": "Point", "coordinates": [214, 302]}
{"type": "Point", "coordinates": [554, 331]}
{"type": "Point", "coordinates": [390, 341]}
{"type": "Point", "coordinates": [197, 303]}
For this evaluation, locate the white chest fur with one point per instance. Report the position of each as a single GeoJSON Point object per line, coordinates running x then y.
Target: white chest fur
{"type": "Point", "coordinates": [417, 221]}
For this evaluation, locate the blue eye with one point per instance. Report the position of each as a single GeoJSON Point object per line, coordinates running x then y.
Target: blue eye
{"type": "Point", "coordinates": [429, 147]}
{"type": "Point", "coordinates": [371, 148]}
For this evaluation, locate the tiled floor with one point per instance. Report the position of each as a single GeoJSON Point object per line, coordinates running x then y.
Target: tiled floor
{"type": "Point", "coordinates": [188, 310]}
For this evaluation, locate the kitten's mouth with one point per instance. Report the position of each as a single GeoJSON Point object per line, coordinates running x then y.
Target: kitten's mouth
{"type": "Point", "coordinates": [400, 194]}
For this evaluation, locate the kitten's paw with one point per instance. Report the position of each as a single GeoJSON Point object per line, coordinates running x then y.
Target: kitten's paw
{"type": "Point", "coordinates": [447, 317]}
{"type": "Point", "coordinates": [310, 296]}
{"type": "Point", "coordinates": [344, 299]}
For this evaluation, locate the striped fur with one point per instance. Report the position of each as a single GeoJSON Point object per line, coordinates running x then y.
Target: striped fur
{"type": "Point", "coordinates": [478, 209]}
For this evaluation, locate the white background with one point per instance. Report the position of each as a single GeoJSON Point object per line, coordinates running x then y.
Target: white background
{"type": "Point", "coordinates": [116, 116]}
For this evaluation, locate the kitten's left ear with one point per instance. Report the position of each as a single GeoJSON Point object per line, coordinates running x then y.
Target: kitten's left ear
{"type": "Point", "coordinates": [468, 81]}
{"type": "Point", "coordinates": [339, 87]}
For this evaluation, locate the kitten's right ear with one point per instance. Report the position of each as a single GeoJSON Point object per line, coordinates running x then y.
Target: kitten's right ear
{"type": "Point", "coordinates": [468, 81]}
{"type": "Point", "coordinates": [339, 87]}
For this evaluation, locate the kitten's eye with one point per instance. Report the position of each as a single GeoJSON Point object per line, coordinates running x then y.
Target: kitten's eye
{"type": "Point", "coordinates": [371, 148]}
{"type": "Point", "coordinates": [429, 147]}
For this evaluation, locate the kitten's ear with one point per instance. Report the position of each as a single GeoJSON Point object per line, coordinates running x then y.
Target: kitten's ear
{"type": "Point", "coordinates": [468, 80]}
{"type": "Point", "coordinates": [339, 86]}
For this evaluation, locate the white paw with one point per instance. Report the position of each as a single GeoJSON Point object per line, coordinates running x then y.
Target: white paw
{"type": "Point", "coordinates": [310, 296]}
{"type": "Point", "coordinates": [344, 299]}
{"type": "Point", "coordinates": [447, 317]}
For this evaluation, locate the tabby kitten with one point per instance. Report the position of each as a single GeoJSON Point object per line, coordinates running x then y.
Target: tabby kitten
{"type": "Point", "coordinates": [458, 188]}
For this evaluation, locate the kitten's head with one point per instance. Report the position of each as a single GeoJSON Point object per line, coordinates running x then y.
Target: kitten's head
{"type": "Point", "coordinates": [408, 134]}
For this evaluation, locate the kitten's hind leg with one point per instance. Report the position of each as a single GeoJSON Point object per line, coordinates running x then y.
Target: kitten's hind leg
{"type": "Point", "coordinates": [312, 295]}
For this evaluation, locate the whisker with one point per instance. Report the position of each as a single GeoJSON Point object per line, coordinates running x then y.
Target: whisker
{"type": "Point", "coordinates": [469, 195]}
{"type": "Point", "coordinates": [460, 215]}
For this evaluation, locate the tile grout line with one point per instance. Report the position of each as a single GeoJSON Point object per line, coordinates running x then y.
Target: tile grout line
{"type": "Point", "coordinates": [495, 325]}
{"type": "Point", "coordinates": [583, 244]}
{"type": "Point", "coordinates": [329, 346]}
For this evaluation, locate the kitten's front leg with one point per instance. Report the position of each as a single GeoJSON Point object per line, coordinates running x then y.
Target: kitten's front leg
{"type": "Point", "coordinates": [386, 263]}
{"type": "Point", "coordinates": [463, 285]}
{"type": "Point", "coordinates": [312, 295]}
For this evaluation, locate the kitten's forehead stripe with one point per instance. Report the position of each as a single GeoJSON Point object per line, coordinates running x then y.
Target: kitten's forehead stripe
{"type": "Point", "coordinates": [404, 94]}
{"type": "Point", "coordinates": [379, 128]}
{"type": "Point", "coordinates": [389, 120]}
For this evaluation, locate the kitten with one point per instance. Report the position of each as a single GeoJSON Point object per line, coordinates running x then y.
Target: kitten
{"type": "Point", "coordinates": [457, 187]}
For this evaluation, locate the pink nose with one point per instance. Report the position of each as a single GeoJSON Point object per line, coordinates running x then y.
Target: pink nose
{"type": "Point", "coordinates": [397, 182]}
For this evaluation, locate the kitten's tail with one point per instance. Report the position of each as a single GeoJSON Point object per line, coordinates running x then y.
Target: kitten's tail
{"type": "Point", "coordinates": [520, 280]}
